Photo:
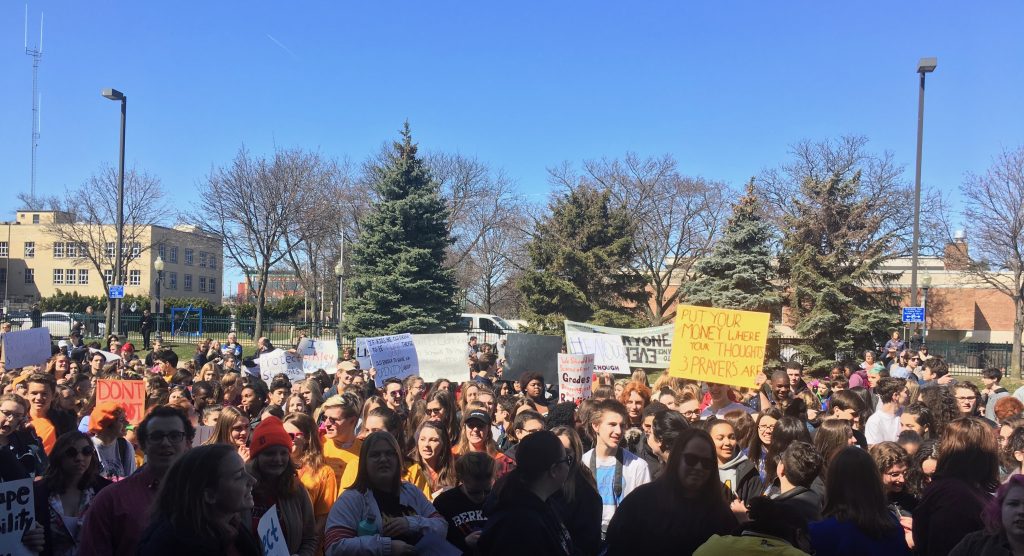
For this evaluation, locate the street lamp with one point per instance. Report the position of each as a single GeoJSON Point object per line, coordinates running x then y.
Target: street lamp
{"type": "Point", "coordinates": [158, 264]}
{"type": "Point", "coordinates": [114, 94]}
{"type": "Point", "coordinates": [924, 66]}
{"type": "Point", "coordinates": [339, 271]}
{"type": "Point", "coordinates": [926, 282]}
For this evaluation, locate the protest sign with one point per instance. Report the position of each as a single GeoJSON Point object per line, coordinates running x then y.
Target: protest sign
{"type": "Point", "coordinates": [318, 354]}
{"type": "Point", "coordinates": [532, 353]}
{"type": "Point", "coordinates": [393, 357]}
{"type": "Point", "coordinates": [442, 356]}
{"type": "Point", "coordinates": [281, 361]}
{"type": "Point", "coordinates": [271, 535]}
{"type": "Point", "coordinates": [26, 347]}
{"type": "Point", "coordinates": [575, 377]}
{"type": "Point", "coordinates": [363, 354]}
{"type": "Point", "coordinates": [110, 357]}
{"type": "Point", "coordinates": [131, 394]}
{"type": "Point", "coordinates": [719, 345]}
{"type": "Point", "coordinates": [609, 353]}
{"type": "Point", "coordinates": [17, 514]}
{"type": "Point", "coordinates": [645, 347]}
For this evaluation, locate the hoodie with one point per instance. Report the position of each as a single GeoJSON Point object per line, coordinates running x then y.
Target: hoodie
{"type": "Point", "coordinates": [521, 523]}
{"type": "Point", "coordinates": [741, 477]}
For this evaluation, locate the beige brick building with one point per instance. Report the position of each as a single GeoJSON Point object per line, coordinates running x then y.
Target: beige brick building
{"type": "Point", "coordinates": [37, 260]}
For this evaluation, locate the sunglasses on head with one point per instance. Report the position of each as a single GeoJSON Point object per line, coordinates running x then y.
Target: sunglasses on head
{"type": "Point", "coordinates": [693, 460]}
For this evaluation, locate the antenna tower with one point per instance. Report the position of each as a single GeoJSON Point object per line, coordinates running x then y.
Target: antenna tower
{"type": "Point", "coordinates": [37, 56]}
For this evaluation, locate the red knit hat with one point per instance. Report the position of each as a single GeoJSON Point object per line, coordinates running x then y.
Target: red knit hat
{"type": "Point", "coordinates": [270, 432]}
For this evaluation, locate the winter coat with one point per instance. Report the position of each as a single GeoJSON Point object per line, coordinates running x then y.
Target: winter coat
{"type": "Point", "coordinates": [521, 523]}
{"type": "Point", "coordinates": [163, 539]}
{"type": "Point", "coordinates": [949, 510]}
{"type": "Point", "coordinates": [582, 517]}
{"type": "Point", "coordinates": [980, 543]}
{"type": "Point", "coordinates": [805, 501]}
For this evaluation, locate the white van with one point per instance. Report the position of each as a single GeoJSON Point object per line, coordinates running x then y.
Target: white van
{"type": "Point", "coordinates": [482, 322]}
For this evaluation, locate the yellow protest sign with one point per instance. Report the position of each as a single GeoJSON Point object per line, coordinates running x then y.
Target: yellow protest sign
{"type": "Point", "coordinates": [718, 345]}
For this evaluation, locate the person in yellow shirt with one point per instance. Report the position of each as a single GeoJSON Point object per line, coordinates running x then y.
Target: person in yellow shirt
{"type": "Point", "coordinates": [338, 417]}
{"type": "Point", "coordinates": [316, 476]}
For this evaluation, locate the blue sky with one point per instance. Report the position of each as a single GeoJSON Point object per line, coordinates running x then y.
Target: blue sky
{"type": "Point", "coordinates": [725, 87]}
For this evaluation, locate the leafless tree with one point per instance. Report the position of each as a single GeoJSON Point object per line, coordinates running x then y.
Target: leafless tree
{"type": "Point", "coordinates": [254, 204]}
{"type": "Point", "coordinates": [677, 217]}
{"type": "Point", "coordinates": [88, 232]}
{"type": "Point", "coordinates": [994, 216]}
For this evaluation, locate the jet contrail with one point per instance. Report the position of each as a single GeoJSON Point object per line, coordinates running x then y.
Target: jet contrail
{"type": "Point", "coordinates": [283, 47]}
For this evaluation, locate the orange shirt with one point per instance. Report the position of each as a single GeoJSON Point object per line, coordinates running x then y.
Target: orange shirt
{"type": "Point", "coordinates": [322, 486]}
{"type": "Point", "coordinates": [46, 431]}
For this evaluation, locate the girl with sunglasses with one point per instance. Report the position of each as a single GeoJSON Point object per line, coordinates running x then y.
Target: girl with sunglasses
{"type": "Point", "coordinates": [314, 473]}
{"type": "Point", "coordinates": [67, 488]}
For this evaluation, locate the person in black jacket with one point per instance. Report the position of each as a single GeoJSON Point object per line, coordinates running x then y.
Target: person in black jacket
{"type": "Point", "coordinates": [578, 503]}
{"type": "Point", "coordinates": [146, 328]}
{"type": "Point", "coordinates": [678, 511]}
{"type": "Point", "coordinates": [737, 473]}
{"type": "Point", "coordinates": [797, 469]}
{"type": "Point", "coordinates": [522, 521]}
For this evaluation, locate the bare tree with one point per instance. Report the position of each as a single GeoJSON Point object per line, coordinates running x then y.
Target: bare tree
{"type": "Point", "coordinates": [994, 215]}
{"type": "Point", "coordinates": [87, 230]}
{"type": "Point", "coordinates": [489, 272]}
{"type": "Point", "coordinates": [254, 204]}
{"type": "Point", "coordinates": [677, 218]}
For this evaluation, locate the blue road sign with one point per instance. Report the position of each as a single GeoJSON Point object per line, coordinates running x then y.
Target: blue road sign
{"type": "Point", "coordinates": [116, 292]}
{"type": "Point", "coordinates": [913, 314]}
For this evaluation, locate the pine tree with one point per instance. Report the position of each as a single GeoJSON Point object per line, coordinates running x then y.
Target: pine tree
{"type": "Point", "coordinates": [832, 259]}
{"type": "Point", "coordinates": [578, 254]}
{"type": "Point", "coordinates": [399, 282]}
{"type": "Point", "coordinates": [738, 274]}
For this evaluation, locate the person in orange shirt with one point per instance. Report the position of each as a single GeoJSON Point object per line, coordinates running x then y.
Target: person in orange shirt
{"type": "Point", "coordinates": [48, 420]}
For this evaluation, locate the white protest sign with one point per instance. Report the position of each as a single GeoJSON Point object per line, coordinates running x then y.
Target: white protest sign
{"type": "Point", "coordinates": [110, 357]}
{"type": "Point", "coordinates": [271, 535]}
{"type": "Point", "coordinates": [393, 357]}
{"type": "Point", "coordinates": [26, 347]}
{"type": "Point", "coordinates": [318, 354]}
{"type": "Point", "coordinates": [609, 353]}
{"type": "Point", "coordinates": [575, 377]}
{"type": "Point", "coordinates": [441, 356]}
{"type": "Point", "coordinates": [17, 514]}
{"type": "Point", "coordinates": [363, 354]}
{"type": "Point", "coordinates": [645, 347]}
{"type": "Point", "coordinates": [281, 361]}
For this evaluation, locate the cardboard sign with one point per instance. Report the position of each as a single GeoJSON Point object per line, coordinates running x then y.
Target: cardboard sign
{"type": "Point", "coordinates": [719, 345]}
{"type": "Point", "coordinates": [281, 361]}
{"type": "Point", "coordinates": [318, 354]}
{"type": "Point", "coordinates": [17, 514]}
{"type": "Point", "coordinates": [442, 356]}
{"type": "Point", "coordinates": [532, 353]}
{"type": "Point", "coordinates": [609, 353]}
{"type": "Point", "coordinates": [26, 347]}
{"type": "Point", "coordinates": [271, 535]}
{"type": "Point", "coordinates": [363, 354]}
{"type": "Point", "coordinates": [393, 357]}
{"type": "Point", "coordinates": [650, 348]}
{"type": "Point", "coordinates": [131, 394]}
{"type": "Point", "coordinates": [575, 377]}
{"type": "Point", "coordinates": [110, 357]}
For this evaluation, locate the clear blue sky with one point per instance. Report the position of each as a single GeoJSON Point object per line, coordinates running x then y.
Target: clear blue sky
{"type": "Point", "coordinates": [725, 87]}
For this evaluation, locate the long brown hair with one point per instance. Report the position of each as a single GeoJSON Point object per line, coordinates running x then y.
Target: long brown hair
{"type": "Point", "coordinates": [222, 432]}
{"type": "Point", "coordinates": [54, 478]}
{"type": "Point", "coordinates": [854, 494]}
{"type": "Point", "coordinates": [313, 456]}
{"type": "Point", "coordinates": [451, 420]}
{"type": "Point", "coordinates": [968, 451]}
{"type": "Point", "coordinates": [832, 436]}
{"type": "Point", "coordinates": [181, 501]}
{"type": "Point", "coordinates": [582, 471]}
{"type": "Point", "coordinates": [446, 476]}
{"type": "Point", "coordinates": [362, 481]}
{"type": "Point", "coordinates": [464, 446]}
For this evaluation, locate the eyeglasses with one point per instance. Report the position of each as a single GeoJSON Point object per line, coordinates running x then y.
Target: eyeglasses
{"type": "Point", "coordinates": [295, 435]}
{"type": "Point", "coordinates": [569, 459]}
{"type": "Point", "coordinates": [12, 415]}
{"type": "Point", "coordinates": [434, 410]}
{"type": "Point", "coordinates": [172, 437]}
{"type": "Point", "coordinates": [85, 451]}
{"type": "Point", "coordinates": [693, 460]}
{"type": "Point", "coordinates": [765, 428]}
{"type": "Point", "coordinates": [691, 412]}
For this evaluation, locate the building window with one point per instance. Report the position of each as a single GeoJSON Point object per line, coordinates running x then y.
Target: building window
{"type": "Point", "coordinates": [134, 277]}
{"type": "Point", "coordinates": [72, 249]}
{"type": "Point", "coordinates": [213, 285]}
{"type": "Point", "coordinates": [188, 283]}
{"type": "Point", "coordinates": [174, 255]}
{"type": "Point", "coordinates": [58, 276]}
{"type": "Point", "coordinates": [213, 261]}
{"type": "Point", "coordinates": [172, 281]}
{"type": "Point", "coordinates": [188, 257]}
{"type": "Point", "coordinates": [58, 249]}
{"type": "Point", "coordinates": [161, 251]}
{"type": "Point", "coordinates": [83, 277]}
{"type": "Point", "coordinates": [30, 276]}
{"type": "Point", "coordinates": [202, 259]}
{"type": "Point", "coordinates": [35, 218]}
{"type": "Point", "coordinates": [111, 250]}
{"type": "Point", "coordinates": [136, 249]}
{"type": "Point", "coordinates": [3, 249]}
{"type": "Point", "coordinates": [30, 250]}
{"type": "Point", "coordinates": [202, 284]}
{"type": "Point", "coordinates": [108, 275]}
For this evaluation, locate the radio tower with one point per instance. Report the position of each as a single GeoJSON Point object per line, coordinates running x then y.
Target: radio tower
{"type": "Point", "coordinates": [37, 55]}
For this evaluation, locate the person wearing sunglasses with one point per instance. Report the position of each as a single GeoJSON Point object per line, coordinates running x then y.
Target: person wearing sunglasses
{"type": "Point", "coordinates": [337, 417]}
{"type": "Point", "coordinates": [314, 473]}
{"type": "Point", "coordinates": [678, 511]}
{"type": "Point", "coordinates": [66, 490]}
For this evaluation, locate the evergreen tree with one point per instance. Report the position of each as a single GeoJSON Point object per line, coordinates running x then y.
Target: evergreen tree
{"type": "Point", "coordinates": [738, 274]}
{"type": "Point", "coordinates": [832, 258]}
{"type": "Point", "coordinates": [578, 253]}
{"type": "Point", "coordinates": [399, 282]}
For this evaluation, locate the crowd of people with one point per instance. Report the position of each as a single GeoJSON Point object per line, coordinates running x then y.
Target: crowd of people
{"type": "Point", "coordinates": [885, 455]}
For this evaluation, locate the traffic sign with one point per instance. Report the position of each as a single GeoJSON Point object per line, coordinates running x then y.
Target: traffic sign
{"type": "Point", "coordinates": [116, 292]}
{"type": "Point", "coordinates": [913, 314]}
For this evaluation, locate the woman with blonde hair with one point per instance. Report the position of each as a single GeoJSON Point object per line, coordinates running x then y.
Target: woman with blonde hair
{"type": "Point", "coordinates": [312, 393]}
{"type": "Point", "coordinates": [476, 436]}
{"type": "Point", "coordinates": [208, 373]}
{"type": "Point", "coordinates": [640, 376]}
{"type": "Point", "coordinates": [232, 429]}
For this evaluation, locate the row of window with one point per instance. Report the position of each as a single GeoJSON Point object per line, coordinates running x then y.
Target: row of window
{"type": "Point", "coordinates": [80, 277]}
{"type": "Point", "coordinates": [71, 276]}
{"type": "Point", "coordinates": [206, 285]}
{"type": "Point", "coordinates": [72, 250]}
{"type": "Point", "coordinates": [169, 253]}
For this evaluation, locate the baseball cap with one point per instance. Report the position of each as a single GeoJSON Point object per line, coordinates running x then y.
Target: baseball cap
{"type": "Point", "coordinates": [478, 415]}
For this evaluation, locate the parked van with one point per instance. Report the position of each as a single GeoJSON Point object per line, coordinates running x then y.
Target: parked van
{"type": "Point", "coordinates": [482, 322]}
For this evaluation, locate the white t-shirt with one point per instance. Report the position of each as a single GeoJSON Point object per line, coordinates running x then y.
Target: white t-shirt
{"type": "Point", "coordinates": [634, 474]}
{"type": "Point", "coordinates": [111, 464]}
{"type": "Point", "coordinates": [882, 427]}
{"type": "Point", "coordinates": [706, 414]}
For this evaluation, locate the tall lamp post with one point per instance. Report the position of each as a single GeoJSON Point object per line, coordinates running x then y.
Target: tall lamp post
{"type": "Point", "coordinates": [159, 266]}
{"type": "Point", "coordinates": [926, 282]}
{"type": "Point", "coordinates": [339, 271]}
{"type": "Point", "coordinates": [114, 94]}
{"type": "Point", "coordinates": [924, 66]}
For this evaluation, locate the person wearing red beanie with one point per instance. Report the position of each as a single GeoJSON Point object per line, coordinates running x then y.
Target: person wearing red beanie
{"type": "Point", "coordinates": [270, 432]}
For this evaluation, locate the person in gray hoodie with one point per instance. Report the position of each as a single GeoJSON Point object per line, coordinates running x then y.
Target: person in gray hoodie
{"type": "Point", "coordinates": [737, 473]}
